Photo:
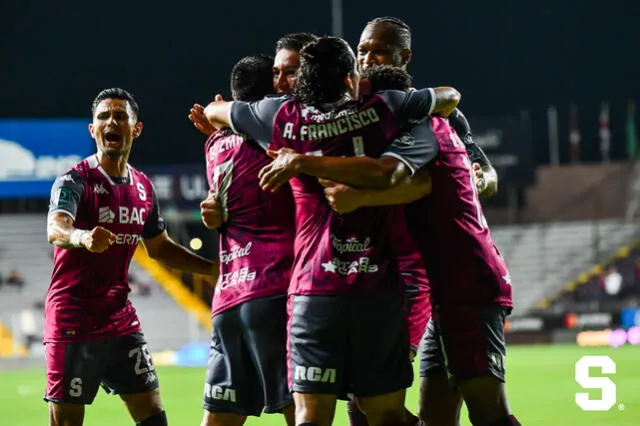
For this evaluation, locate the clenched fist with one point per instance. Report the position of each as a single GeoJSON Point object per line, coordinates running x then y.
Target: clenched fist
{"type": "Point", "coordinates": [97, 240]}
{"type": "Point", "coordinates": [211, 211]}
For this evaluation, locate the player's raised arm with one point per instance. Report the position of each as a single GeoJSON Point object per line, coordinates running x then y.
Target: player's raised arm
{"type": "Point", "coordinates": [417, 104]}
{"type": "Point", "coordinates": [254, 119]}
{"type": "Point", "coordinates": [484, 173]}
{"type": "Point", "coordinates": [66, 195]}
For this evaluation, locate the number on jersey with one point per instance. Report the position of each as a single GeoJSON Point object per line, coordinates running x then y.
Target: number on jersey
{"type": "Point", "coordinates": [222, 176]}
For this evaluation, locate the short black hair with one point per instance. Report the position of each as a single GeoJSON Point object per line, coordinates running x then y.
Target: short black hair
{"type": "Point", "coordinates": [324, 64]}
{"type": "Point", "coordinates": [252, 78]}
{"type": "Point", "coordinates": [401, 29]}
{"type": "Point", "coordinates": [295, 41]}
{"type": "Point", "coordinates": [116, 93]}
{"type": "Point", "coordinates": [387, 77]}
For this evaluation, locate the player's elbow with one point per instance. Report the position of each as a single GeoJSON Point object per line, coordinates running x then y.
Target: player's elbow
{"type": "Point", "coordinates": [447, 99]}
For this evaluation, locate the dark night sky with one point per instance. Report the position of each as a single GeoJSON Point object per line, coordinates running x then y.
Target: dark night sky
{"type": "Point", "coordinates": [502, 55]}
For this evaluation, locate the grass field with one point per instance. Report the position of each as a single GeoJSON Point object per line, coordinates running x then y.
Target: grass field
{"type": "Point", "coordinates": [541, 388]}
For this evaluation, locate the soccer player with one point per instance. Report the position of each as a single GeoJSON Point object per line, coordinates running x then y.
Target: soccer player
{"type": "Point", "coordinates": [287, 61]}
{"type": "Point", "coordinates": [387, 41]}
{"type": "Point", "coordinates": [471, 292]}
{"type": "Point", "coordinates": [100, 210]}
{"type": "Point", "coordinates": [247, 370]}
{"type": "Point", "coordinates": [347, 323]}
{"type": "Point", "coordinates": [285, 68]}
{"type": "Point", "coordinates": [286, 65]}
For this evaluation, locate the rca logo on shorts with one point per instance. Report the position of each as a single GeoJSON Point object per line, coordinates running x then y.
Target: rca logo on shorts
{"type": "Point", "coordinates": [605, 384]}
{"type": "Point", "coordinates": [315, 374]}
{"type": "Point", "coordinates": [219, 393]}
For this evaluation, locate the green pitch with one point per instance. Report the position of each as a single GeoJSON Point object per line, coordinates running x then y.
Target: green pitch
{"type": "Point", "coordinates": [541, 388]}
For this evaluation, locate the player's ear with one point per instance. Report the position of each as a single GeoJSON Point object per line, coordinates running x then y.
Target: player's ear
{"type": "Point", "coordinates": [137, 130]}
{"type": "Point", "coordinates": [406, 56]}
{"type": "Point", "coordinates": [350, 84]}
{"type": "Point", "coordinates": [91, 131]}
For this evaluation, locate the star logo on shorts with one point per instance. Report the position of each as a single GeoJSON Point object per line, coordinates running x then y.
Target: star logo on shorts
{"type": "Point", "coordinates": [329, 267]}
{"type": "Point", "coordinates": [507, 278]}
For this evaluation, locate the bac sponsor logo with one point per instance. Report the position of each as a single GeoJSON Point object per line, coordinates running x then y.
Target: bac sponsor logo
{"type": "Point", "coordinates": [131, 216]}
{"type": "Point", "coordinates": [126, 215]}
{"type": "Point", "coordinates": [315, 374]}
{"type": "Point", "coordinates": [105, 215]}
{"type": "Point", "coordinates": [219, 393]}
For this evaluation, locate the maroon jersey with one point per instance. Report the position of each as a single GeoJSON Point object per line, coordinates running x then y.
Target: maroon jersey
{"type": "Point", "coordinates": [88, 295]}
{"type": "Point", "coordinates": [256, 241]}
{"type": "Point", "coordinates": [414, 276]}
{"type": "Point", "coordinates": [336, 253]}
{"type": "Point", "coordinates": [463, 263]}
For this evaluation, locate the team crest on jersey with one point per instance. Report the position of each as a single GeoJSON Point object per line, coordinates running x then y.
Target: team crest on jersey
{"type": "Point", "coordinates": [141, 191]}
{"type": "Point", "coordinates": [99, 189]}
{"type": "Point", "coordinates": [105, 215]}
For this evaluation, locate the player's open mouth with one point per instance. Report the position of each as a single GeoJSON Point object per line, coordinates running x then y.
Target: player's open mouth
{"type": "Point", "coordinates": [113, 137]}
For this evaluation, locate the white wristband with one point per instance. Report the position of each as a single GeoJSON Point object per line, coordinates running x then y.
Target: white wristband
{"type": "Point", "coordinates": [76, 237]}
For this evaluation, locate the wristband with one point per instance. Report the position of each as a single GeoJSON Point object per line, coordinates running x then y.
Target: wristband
{"type": "Point", "coordinates": [76, 237]}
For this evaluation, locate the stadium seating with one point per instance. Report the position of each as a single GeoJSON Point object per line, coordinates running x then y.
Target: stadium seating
{"type": "Point", "coordinates": [542, 258]}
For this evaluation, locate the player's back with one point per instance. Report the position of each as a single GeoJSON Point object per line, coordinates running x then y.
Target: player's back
{"type": "Point", "coordinates": [256, 242]}
{"type": "Point", "coordinates": [463, 263]}
{"type": "Point", "coordinates": [88, 295]}
{"type": "Point", "coordinates": [338, 253]}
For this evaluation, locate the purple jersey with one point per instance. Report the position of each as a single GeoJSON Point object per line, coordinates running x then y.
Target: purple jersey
{"type": "Point", "coordinates": [414, 276]}
{"type": "Point", "coordinates": [88, 295]}
{"type": "Point", "coordinates": [463, 263]}
{"type": "Point", "coordinates": [256, 242]}
{"type": "Point", "coordinates": [336, 253]}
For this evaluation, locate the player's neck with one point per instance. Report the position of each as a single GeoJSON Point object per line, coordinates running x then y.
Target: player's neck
{"type": "Point", "coordinates": [114, 167]}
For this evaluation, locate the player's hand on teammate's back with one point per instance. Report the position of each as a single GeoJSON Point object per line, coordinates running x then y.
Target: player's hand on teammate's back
{"type": "Point", "coordinates": [200, 121]}
{"type": "Point", "coordinates": [211, 211]}
{"type": "Point", "coordinates": [478, 174]}
{"type": "Point", "coordinates": [98, 239]}
{"type": "Point", "coordinates": [342, 198]}
{"type": "Point", "coordinates": [283, 167]}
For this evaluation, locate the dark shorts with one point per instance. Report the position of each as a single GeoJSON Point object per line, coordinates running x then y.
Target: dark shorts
{"type": "Point", "coordinates": [247, 370]}
{"type": "Point", "coordinates": [349, 344]}
{"type": "Point", "coordinates": [465, 342]}
{"type": "Point", "coordinates": [123, 365]}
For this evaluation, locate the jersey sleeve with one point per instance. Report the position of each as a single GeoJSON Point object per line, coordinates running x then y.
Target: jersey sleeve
{"type": "Point", "coordinates": [255, 119]}
{"type": "Point", "coordinates": [415, 146]}
{"type": "Point", "coordinates": [411, 105]}
{"type": "Point", "coordinates": [155, 224]}
{"type": "Point", "coordinates": [461, 125]}
{"type": "Point", "coordinates": [66, 193]}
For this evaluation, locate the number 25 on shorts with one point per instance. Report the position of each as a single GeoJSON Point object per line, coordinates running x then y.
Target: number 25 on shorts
{"type": "Point", "coordinates": [607, 387]}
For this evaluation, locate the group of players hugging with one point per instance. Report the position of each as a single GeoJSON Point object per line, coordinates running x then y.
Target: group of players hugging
{"type": "Point", "coordinates": [351, 238]}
